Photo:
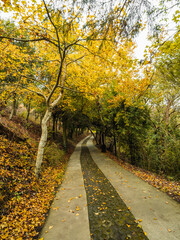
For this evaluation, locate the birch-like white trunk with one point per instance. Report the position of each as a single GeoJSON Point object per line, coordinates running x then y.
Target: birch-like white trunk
{"type": "Point", "coordinates": [42, 142]}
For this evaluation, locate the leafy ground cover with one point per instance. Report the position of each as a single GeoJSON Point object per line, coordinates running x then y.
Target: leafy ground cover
{"type": "Point", "coordinates": [172, 188]}
{"type": "Point", "coordinates": [25, 201]}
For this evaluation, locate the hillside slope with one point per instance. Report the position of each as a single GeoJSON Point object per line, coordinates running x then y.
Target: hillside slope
{"type": "Point", "coordinates": [25, 201]}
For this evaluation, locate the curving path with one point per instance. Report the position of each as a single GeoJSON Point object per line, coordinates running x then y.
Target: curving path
{"type": "Point", "coordinates": [100, 200]}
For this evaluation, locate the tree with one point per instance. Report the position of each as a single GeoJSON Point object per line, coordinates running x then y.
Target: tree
{"type": "Point", "coordinates": [60, 39]}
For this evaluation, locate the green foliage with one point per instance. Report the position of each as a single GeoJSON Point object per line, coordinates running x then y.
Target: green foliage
{"type": "Point", "coordinates": [53, 154]}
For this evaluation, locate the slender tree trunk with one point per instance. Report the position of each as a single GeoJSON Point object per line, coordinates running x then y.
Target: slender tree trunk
{"type": "Point", "coordinates": [54, 126]}
{"type": "Point", "coordinates": [103, 146]}
{"type": "Point", "coordinates": [43, 141]}
{"type": "Point", "coordinates": [118, 150]}
{"type": "Point", "coordinates": [13, 111]}
{"type": "Point", "coordinates": [59, 125]}
{"type": "Point", "coordinates": [76, 131]}
{"type": "Point", "coordinates": [65, 134]}
{"type": "Point", "coordinates": [41, 118]}
{"type": "Point", "coordinates": [94, 135]}
{"type": "Point", "coordinates": [28, 111]}
{"type": "Point", "coordinates": [115, 145]}
{"type": "Point", "coordinates": [70, 132]}
{"type": "Point", "coordinates": [100, 138]}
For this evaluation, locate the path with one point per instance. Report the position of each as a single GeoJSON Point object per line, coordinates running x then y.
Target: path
{"type": "Point", "coordinates": [109, 217]}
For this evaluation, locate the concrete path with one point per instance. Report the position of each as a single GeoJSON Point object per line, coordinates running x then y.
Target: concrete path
{"type": "Point", "coordinates": [158, 214]}
{"type": "Point", "coordinates": [68, 217]}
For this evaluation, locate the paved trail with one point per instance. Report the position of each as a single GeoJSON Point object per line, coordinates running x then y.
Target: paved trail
{"type": "Point", "coordinates": [100, 200]}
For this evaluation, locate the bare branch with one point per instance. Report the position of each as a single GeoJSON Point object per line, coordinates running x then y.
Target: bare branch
{"type": "Point", "coordinates": [33, 79]}
{"type": "Point", "coordinates": [94, 54]}
{"type": "Point", "coordinates": [29, 40]}
{"type": "Point", "coordinates": [59, 45]}
{"type": "Point", "coordinates": [75, 59]}
{"type": "Point", "coordinates": [58, 78]}
{"type": "Point", "coordinates": [62, 89]}
{"type": "Point", "coordinates": [38, 93]}
{"type": "Point", "coordinates": [76, 91]}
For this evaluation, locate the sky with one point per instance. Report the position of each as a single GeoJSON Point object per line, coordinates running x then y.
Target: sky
{"type": "Point", "coordinates": [141, 40]}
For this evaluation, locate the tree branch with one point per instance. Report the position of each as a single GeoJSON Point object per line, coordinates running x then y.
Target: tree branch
{"type": "Point", "coordinates": [58, 78]}
{"type": "Point", "coordinates": [59, 45]}
{"type": "Point", "coordinates": [29, 40]}
{"type": "Point", "coordinates": [61, 92]}
{"type": "Point", "coordinates": [75, 59]}
{"type": "Point", "coordinates": [38, 93]}
{"type": "Point", "coordinates": [33, 79]}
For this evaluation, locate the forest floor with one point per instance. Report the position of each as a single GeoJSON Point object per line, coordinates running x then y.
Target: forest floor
{"type": "Point", "coordinates": [24, 201]}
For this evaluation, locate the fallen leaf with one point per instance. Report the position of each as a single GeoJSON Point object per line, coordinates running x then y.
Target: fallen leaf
{"type": "Point", "coordinates": [77, 208]}
{"type": "Point", "coordinates": [56, 208]}
{"type": "Point", "coordinates": [71, 211]}
{"type": "Point", "coordinates": [50, 227]}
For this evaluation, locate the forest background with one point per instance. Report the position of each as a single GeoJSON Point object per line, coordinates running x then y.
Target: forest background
{"type": "Point", "coordinates": [70, 66]}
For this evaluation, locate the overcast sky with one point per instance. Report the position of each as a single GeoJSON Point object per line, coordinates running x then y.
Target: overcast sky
{"type": "Point", "coordinates": [141, 40]}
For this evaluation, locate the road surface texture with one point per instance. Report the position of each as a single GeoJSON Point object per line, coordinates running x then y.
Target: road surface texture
{"type": "Point", "coordinates": [98, 199]}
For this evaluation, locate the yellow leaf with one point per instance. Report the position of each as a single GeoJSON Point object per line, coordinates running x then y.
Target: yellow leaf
{"type": "Point", "coordinates": [77, 208]}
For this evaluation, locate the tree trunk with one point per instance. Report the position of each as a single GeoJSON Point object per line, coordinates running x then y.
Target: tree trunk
{"type": "Point", "coordinates": [41, 118]}
{"type": "Point", "coordinates": [115, 144]}
{"type": "Point", "coordinates": [54, 126]}
{"type": "Point", "coordinates": [70, 132]}
{"type": "Point", "coordinates": [65, 134]}
{"type": "Point", "coordinates": [118, 146]}
{"type": "Point", "coordinates": [28, 111]}
{"type": "Point", "coordinates": [103, 146]}
{"type": "Point", "coordinates": [42, 142]}
{"type": "Point", "coordinates": [13, 111]}
{"type": "Point", "coordinates": [100, 138]}
{"type": "Point", "coordinates": [76, 132]}
{"type": "Point", "coordinates": [59, 125]}
{"type": "Point", "coordinates": [131, 149]}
